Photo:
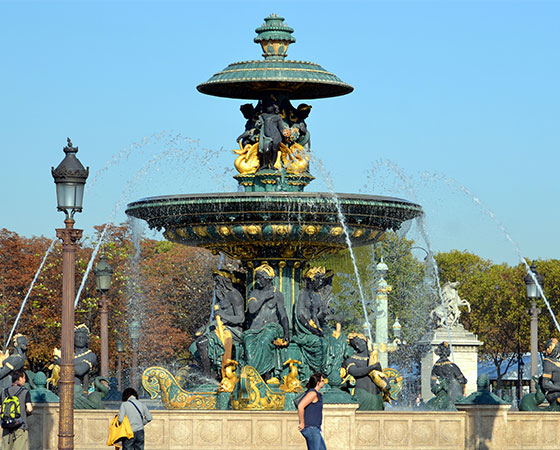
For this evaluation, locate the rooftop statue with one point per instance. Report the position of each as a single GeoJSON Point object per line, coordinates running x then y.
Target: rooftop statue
{"type": "Point", "coordinates": [450, 315]}
{"type": "Point", "coordinates": [14, 361]}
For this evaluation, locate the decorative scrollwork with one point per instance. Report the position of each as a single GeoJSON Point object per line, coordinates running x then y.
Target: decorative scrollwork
{"type": "Point", "coordinates": [157, 380]}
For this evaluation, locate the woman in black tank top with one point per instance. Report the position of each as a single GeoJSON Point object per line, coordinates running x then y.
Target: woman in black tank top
{"type": "Point", "coordinates": [310, 413]}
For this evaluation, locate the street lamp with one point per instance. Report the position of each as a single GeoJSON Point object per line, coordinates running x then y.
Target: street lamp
{"type": "Point", "coordinates": [533, 293]}
{"type": "Point", "coordinates": [103, 273]}
{"type": "Point", "coordinates": [520, 370]}
{"type": "Point", "coordinates": [134, 330]}
{"type": "Point", "coordinates": [120, 350]}
{"type": "Point", "coordinates": [70, 179]}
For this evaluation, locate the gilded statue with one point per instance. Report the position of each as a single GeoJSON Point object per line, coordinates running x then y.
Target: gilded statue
{"type": "Point", "coordinates": [291, 382]}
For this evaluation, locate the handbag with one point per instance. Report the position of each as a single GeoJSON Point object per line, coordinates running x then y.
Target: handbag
{"type": "Point", "coordinates": [299, 398]}
{"type": "Point", "coordinates": [118, 431]}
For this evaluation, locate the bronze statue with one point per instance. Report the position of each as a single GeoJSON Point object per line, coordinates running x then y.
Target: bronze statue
{"type": "Point", "coordinates": [444, 368]}
{"type": "Point", "coordinates": [364, 367]}
{"type": "Point", "coordinates": [250, 135]}
{"type": "Point", "coordinates": [482, 396]}
{"type": "Point", "coordinates": [40, 394]}
{"type": "Point", "coordinates": [101, 389]}
{"type": "Point", "coordinates": [84, 358]}
{"type": "Point", "coordinates": [551, 373]}
{"type": "Point", "coordinates": [271, 128]}
{"type": "Point", "coordinates": [222, 337]}
{"type": "Point", "coordinates": [442, 400]}
{"type": "Point", "coordinates": [308, 331]}
{"type": "Point", "coordinates": [13, 361]}
{"type": "Point", "coordinates": [267, 324]}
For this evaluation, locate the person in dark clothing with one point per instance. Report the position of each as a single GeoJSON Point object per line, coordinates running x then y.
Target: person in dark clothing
{"type": "Point", "coordinates": [310, 413]}
{"type": "Point", "coordinates": [17, 438]}
{"type": "Point", "coordinates": [138, 416]}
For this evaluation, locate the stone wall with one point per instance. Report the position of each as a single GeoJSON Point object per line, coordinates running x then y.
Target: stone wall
{"type": "Point", "coordinates": [483, 427]}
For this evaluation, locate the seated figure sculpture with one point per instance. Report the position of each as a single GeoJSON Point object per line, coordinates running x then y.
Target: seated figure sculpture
{"type": "Point", "coordinates": [551, 374]}
{"type": "Point", "coordinates": [267, 324]}
{"type": "Point", "coordinates": [221, 339]}
{"type": "Point", "coordinates": [446, 369]}
{"type": "Point", "coordinates": [84, 361]}
{"type": "Point", "coordinates": [14, 361]}
{"type": "Point", "coordinates": [308, 333]}
{"type": "Point", "coordinates": [367, 372]}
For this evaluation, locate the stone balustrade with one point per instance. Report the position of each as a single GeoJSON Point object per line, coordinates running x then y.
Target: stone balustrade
{"type": "Point", "coordinates": [472, 428]}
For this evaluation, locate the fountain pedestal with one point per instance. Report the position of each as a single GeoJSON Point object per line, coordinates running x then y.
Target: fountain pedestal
{"type": "Point", "coordinates": [465, 350]}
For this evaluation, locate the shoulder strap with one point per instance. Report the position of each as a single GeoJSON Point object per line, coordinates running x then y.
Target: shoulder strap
{"type": "Point", "coordinates": [141, 415]}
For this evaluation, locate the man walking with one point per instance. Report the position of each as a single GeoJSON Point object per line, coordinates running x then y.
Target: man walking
{"type": "Point", "coordinates": [15, 407]}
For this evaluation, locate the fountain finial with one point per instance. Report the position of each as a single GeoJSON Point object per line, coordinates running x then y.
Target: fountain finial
{"type": "Point", "coordinates": [274, 37]}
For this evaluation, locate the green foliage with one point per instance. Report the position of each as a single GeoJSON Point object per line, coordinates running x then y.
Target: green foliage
{"type": "Point", "coordinates": [412, 296]}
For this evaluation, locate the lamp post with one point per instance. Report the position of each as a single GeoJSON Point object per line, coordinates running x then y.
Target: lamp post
{"type": "Point", "coordinates": [382, 343]}
{"type": "Point", "coordinates": [533, 294]}
{"type": "Point", "coordinates": [120, 350]}
{"type": "Point", "coordinates": [520, 369]}
{"type": "Point", "coordinates": [103, 273]}
{"type": "Point", "coordinates": [70, 179]}
{"type": "Point", "coordinates": [134, 330]}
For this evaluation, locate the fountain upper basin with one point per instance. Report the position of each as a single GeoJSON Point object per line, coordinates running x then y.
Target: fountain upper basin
{"type": "Point", "coordinates": [276, 225]}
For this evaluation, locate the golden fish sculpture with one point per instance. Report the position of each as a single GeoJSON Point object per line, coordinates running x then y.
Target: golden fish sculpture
{"type": "Point", "coordinates": [157, 380]}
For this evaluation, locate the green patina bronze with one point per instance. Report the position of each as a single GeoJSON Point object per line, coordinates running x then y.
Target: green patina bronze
{"type": "Point", "coordinates": [250, 79]}
{"type": "Point", "coordinates": [273, 224]}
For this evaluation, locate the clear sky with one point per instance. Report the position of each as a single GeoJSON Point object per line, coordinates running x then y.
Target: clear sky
{"type": "Point", "coordinates": [449, 96]}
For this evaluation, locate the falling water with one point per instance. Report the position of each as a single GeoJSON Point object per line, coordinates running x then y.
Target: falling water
{"type": "Point", "coordinates": [459, 187]}
{"type": "Point", "coordinates": [421, 221]}
{"type": "Point", "coordinates": [141, 175]}
{"type": "Point", "coordinates": [29, 292]}
{"type": "Point", "coordinates": [342, 221]}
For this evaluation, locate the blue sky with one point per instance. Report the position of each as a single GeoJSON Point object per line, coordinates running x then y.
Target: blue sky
{"type": "Point", "coordinates": [449, 97]}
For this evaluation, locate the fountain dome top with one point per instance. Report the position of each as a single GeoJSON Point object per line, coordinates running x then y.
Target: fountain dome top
{"type": "Point", "coordinates": [298, 79]}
